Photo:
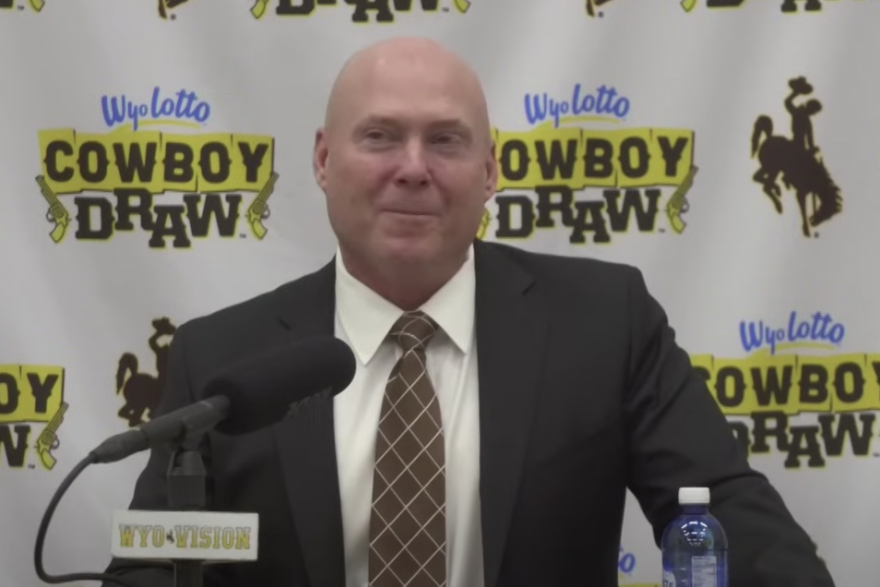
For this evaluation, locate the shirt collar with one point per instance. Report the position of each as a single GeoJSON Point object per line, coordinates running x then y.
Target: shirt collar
{"type": "Point", "coordinates": [367, 317]}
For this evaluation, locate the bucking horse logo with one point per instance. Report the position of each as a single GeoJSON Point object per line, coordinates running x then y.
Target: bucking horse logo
{"type": "Point", "coordinates": [796, 159]}
{"type": "Point", "coordinates": [143, 392]}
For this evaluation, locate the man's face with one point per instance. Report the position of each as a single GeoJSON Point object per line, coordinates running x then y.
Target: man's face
{"type": "Point", "coordinates": [407, 165]}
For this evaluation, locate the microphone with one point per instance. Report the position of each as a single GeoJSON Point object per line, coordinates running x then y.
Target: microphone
{"type": "Point", "coordinates": [247, 395]}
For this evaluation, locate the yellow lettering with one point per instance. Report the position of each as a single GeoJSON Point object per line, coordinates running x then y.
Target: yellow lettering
{"type": "Point", "coordinates": [181, 533]}
{"type": "Point", "coordinates": [158, 537]}
{"type": "Point", "coordinates": [792, 384]}
{"type": "Point", "coordinates": [205, 537]}
{"type": "Point", "coordinates": [579, 158]}
{"type": "Point", "coordinates": [30, 393]}
{"type": "Point", "coordinates": [243, 539]}
{"type": "Point", "coordinates": [154, 161]}
{"type": "Point", "coordinates": [228, 538]}
{"type": "Point", "coordinates": [144, 532]}
{"type": "Point", "coordinates": [194, 532]}
{"type": "Point", "coordinates": [126, 536]}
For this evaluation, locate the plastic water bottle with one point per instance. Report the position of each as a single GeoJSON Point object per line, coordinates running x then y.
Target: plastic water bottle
{"type": "Point", "coordinates": [694, 545]}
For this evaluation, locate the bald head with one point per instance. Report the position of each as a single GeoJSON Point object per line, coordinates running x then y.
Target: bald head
{"type": "Point", "coordinates": [422, 61]}
{"type": "Point", "coordinates": [407, 162]}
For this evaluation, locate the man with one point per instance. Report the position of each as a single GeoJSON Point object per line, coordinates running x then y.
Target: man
{"type": "Point", "coordinates": [553, 384]}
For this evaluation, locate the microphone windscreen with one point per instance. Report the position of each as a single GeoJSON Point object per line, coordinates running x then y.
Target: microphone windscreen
{"type": "Point", "coordinates": [263, 388]}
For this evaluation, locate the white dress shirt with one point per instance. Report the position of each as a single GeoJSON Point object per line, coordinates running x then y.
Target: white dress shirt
{"type": "Point", "coordinates": [363, 320]}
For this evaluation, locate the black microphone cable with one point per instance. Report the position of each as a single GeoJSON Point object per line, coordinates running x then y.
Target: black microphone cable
{"type": "Point", "coordinates": [44, 527]}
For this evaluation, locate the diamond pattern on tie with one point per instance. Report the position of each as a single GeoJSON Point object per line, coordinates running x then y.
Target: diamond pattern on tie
{"type": "Point", "coordinates": [408, 519]}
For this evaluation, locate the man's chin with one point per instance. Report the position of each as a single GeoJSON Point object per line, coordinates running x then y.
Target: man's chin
{"type": "Point", "coordinates": [409, 251]}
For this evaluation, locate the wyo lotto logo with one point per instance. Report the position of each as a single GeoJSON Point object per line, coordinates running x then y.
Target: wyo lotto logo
{"type": "Point", "coordinates": [579, 170]}
{"type": "Point", "coordinates": [175, 186]}
{"type": "Point", "coordinates": [786, 6]}
{"type": "Point", "coordinates": [795, 163]}
{"type": "Point", "coordinates": [30, 396]}
{"type": "Point", "coordinates": [796, 391]}
{"type": "Point", "coordinates": [35, 5]}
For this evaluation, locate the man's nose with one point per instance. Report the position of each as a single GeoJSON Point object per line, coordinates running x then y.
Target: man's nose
{"type": "Point", "coordinates": [413, 166]}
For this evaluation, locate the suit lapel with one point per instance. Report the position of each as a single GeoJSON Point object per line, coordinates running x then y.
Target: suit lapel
{"type": "Point", "coordinates": [306, 443]}
{"type": "Point", "coordinates": [511, 331]}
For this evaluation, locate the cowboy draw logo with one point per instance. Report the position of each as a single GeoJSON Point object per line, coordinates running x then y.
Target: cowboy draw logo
{"type": "Point", "coordinates": [796, 391]}
{"type": "Point", "coordinates": [383, 11]}
{"type": "Point", "coordinates": [796, 161]}
{"type": "Point", "coordinates": [35, 5]}
{"type": "Point", "coordinates": [114, 178]}
{"type": "Point", "coordinates": [142, 392]}
{"type": "Point", "coordinates": [589, 175]}
{"type": "Point", "coordinates": [363, 11]}
{"type": "Point", "coordinates": [30, 395]}
{"type": "Point", "coordinates": [786, 6]}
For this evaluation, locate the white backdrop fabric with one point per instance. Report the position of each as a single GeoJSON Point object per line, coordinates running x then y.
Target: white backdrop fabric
{"type": "Point", "coordinates": [138, 147]}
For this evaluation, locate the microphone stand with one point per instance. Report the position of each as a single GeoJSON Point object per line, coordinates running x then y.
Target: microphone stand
{"type": "Point", "coordinates": [187, 481]}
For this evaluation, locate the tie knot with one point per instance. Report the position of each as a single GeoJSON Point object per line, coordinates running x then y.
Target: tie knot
{"type": "Point", "coordinates": [413, 330]}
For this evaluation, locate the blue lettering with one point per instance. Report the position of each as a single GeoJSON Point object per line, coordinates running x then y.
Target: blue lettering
{"type": "Point", "coordinates": [627, 563]}
{"type": "Point", "coordinates": [540, 108]}
{"type": "Point", "coordinates": [605, 101]}
{"type": "Point", "coordinates": [554, 111]}
{"type": "Point", "coordinates": [114, 111]}
{"type": "Point", "coordinates": [187, 107]}
{"type": "Point", "coordinates": [836, 334]}
{"type": "Point", "coordinates": [819, 328]}
{"type": "Point", "coordinates": [754, 339]}
{"type": "Point", "coordinates": [133, 114]}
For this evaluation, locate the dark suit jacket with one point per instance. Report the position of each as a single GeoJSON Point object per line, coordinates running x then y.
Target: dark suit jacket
{"type": "Point", "coordinates": [583, 394]}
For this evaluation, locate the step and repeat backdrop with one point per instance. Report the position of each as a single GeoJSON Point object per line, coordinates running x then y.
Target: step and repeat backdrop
{"type": "Point", "coordinates": [155, 165]}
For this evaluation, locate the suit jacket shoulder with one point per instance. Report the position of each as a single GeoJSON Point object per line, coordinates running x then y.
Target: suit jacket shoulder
{"type": "Point", "coordinates": [582, 276]}
{"type": "Point", "coordinates": [210, 341]}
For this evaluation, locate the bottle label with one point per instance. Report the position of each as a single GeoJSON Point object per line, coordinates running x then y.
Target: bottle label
{"type": "Point", "coordinates": [704, 571]}
{"type": "Point", "coordinates": [668, 579]}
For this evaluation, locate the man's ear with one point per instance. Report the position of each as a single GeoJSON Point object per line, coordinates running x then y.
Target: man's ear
{"type": "Point", "coordinates": [319, 158]}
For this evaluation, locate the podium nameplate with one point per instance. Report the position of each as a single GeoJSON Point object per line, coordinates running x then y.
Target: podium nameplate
{"type": "Point", "coordinates": [207, 536]}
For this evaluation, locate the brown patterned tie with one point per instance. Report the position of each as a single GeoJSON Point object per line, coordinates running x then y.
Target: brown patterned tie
{"type": "Point", "coordinates": [408, 521]}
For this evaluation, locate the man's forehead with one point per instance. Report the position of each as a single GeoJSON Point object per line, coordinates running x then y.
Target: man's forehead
{"type": "Point", "coordinates": [426, 82]}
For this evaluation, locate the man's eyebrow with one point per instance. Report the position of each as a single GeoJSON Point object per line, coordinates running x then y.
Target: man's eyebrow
{"type": "Point", "coordinates": [446, 123]}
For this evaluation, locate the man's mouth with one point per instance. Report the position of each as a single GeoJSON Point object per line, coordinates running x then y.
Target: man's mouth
{"type": "Point", "coordinates": [416, 213]}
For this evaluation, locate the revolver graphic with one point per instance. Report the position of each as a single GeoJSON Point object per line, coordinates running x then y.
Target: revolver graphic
{"type": "Point", "coordinates": [48, 439]}
{"type": "Point", "coordinates": [484, 225]}
{"type": "Point", "coordinates": [57, 212]}
{"type": "Point", "coordinates": [259, 8]}
{"type": "Point", "coordinates": [678, 202]}
{"type": "Point", "coordinates": [258, 210]}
